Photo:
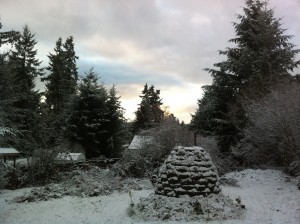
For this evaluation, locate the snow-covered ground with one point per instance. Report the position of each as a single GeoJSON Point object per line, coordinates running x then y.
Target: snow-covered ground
{"type": "Point", "coordinates": [269, 197]}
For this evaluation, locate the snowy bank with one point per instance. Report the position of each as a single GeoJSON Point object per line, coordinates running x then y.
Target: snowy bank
{"type": "Point", "coordinates": [268, 195]}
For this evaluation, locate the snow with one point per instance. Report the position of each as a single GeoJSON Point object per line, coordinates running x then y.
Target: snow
{"type": "Point", "coordinates": [9, 151]}
{"type": "Point", "coordinates": [268, 198]}
{"type": "Point", "coordinates": [139, 141]}
{"type": "Point", "coordinates": [268, 195]}
{"type": "Point", "coordinates": [69, 157]}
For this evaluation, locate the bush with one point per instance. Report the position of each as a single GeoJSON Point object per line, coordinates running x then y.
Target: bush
{"type": "Point", "coordinates": [145, 161]}
{"type": "Point", "coordinates": [3, 174]}
{"type": "Point", "coordinates": [273, 135]}
{"type": "Point", "coordinates": [224, 162]}
{"type": "Point", "coordinates": [41, 168]}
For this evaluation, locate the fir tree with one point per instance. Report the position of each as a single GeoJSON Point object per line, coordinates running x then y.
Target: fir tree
{"type": "Point", "coordinates": [85, 124]}
{"type": "Point", "coordinates": [6, 99]}
{"type": "Point", "coordinates": [70, 68]}
{"type": "Point", "coordinates": [96, 118]}
{"type": "Point", "coordinates": [262, 57]}
{"type": "Point", "coordinates": [149, 112]}
{"type": "Point", "coordinates": [54, 81]}
{"type": "Point", "coordinates": [6, 89]}
{"type": "Point", "coordinates": [25, 68]}
{"type": "Point", "coordinates": [24, 61]}
{"type": "Point", "coordinates": [115, 123]}
{"type": "Point", "coordinates": [61, 85]}
{"type": "Point", "coordinates": [8, 37]}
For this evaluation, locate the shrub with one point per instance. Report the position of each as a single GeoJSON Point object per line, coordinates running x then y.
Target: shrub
{"type": "Point", "coordinates": [145, 161]}
{"type": "Point", "coordinates": [273, 135]}
{"type": "Point", "coordinates": [224, 162]}
{"type": "Point", "coordinates": [40, 169]}
{"type": "Point", "coordinates": [3, 179]}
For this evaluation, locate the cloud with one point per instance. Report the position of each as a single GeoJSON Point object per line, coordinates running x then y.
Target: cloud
{"type": "Point", "coordinates": [167, 43]}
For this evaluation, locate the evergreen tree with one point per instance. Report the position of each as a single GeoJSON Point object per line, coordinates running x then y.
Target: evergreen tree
{"type": "Point", "coordinates": [84, 125]}
{"type": "Point", "coordinates": [262, 57]}
{"type": "Point", "coordinates": [24, 61]}
{"type": "Point", "coordinates": [115, 123]}
{"type": "Point", "coordinates": [6, 89]}
{"type": "Point", "coordinates": [54, 81]}
{"type": "Point", "coordinates": [61, 85]}
{"type": "Point", "coordinates": [24, 68]}
{"type": "Point", "coordinates": [96, 118]}
{"type": "Point", "coordinates": [70, 69]}
{"type": "Point", "coordinates": [149, 112]}
{"type": "Point", "coordinates": [8, 37]}
{"type": "Point", "coordinates": [6, 100]}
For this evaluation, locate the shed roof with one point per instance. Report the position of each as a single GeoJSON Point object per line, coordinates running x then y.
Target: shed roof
{"type": "Point", "coordinates": [138, 141]}
{"type": "Point", "coordinates": [9, 152]}
{"type": "Point", "coordinates": [70, 156]}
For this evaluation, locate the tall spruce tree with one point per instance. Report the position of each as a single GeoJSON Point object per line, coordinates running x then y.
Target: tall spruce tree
{"type": "Point", "coordinates": [25, 68]}
{"type": "Point", "coordinates": [6, 101]}
{"type": "Point", "coordinates": [114, 124]}
{"type": "Point", "coordinates": [149, 112]}
{"type": "Point", "coordinates": [61, 82]}
{"type": "Point", "coordinates": [70, 67]}
{"type": "Point", "coordinates": [61, 85]}
{"type": "Point", "coordinates": [96, 119]}
{"type": "Point", "coordinates": [262, 56]}
{"type": "Point", "coordinates": [8, 37]}
{"type": "Point", "coordinates": [54, 81]}
{"type": "Point", "coordinates": [6, 89]}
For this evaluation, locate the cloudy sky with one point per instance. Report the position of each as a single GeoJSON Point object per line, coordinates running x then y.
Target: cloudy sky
{"type": "Point", "coordinates": [165, 43]}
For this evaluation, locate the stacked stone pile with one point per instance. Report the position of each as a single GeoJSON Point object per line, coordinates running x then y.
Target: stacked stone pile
{"type": "Point", "coordinates": [188, 171]}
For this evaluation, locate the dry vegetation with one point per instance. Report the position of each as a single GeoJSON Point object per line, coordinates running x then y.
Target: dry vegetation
{"type": "Point", "coordinates": [273, 135]}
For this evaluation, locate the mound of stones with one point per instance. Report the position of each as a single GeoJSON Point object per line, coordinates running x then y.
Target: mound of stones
{"type": "Point", "coordinates": [188, 171]}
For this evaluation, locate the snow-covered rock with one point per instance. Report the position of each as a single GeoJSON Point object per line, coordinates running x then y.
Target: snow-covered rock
{"type": "Point", "coordinates": [188, 171]}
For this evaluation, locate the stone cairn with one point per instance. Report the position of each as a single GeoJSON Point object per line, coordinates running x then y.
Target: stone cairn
{"type": "Point", "coordinates": [188, 171]}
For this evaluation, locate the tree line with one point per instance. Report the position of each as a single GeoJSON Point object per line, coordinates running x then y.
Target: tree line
{"type": "Point", "coordinates": [236, 108]}
{"type": "Point", "coordinates": [251, 106]}
{"type": "Point", "coordinates": [73, 110]}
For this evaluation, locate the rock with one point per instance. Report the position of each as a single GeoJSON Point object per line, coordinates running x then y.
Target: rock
{"type": "Point", "coordinates": [228, 182]}
{"type": "Point", "coordinates": [294, 168]}
{"type": "Point", "coordinates": [187, 171]}
{"type": "Point", "coordinates": [166, 216]}
{"type": "Point", "coordinates": [96, 192]}
{"type": "Point", "coordinates": [146, 184]}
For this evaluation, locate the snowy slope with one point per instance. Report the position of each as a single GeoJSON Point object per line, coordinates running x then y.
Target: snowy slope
{"type": "Point", "coordinates": [266, 194]}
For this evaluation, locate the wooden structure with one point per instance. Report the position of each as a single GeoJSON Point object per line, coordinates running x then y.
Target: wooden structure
{"type": "Point", "coordinates": [10, 152]}
{"type": "Point", "coordinates": [65, 158]}
{"type": "Point", "coordinates": [140, 141]}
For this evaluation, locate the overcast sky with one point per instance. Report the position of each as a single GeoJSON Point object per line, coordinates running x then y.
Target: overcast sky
{"type": "Point", "coordinates": [165, 43]}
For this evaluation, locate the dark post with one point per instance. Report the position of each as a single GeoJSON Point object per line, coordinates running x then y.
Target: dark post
{"type": "Point", "coordinates": [14, 174]}
{"type": "Point", "coordinates": [195, 138]}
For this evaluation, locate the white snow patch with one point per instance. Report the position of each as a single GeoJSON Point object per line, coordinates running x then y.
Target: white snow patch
{"type": "Point", "coordinates": [266, 195]}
